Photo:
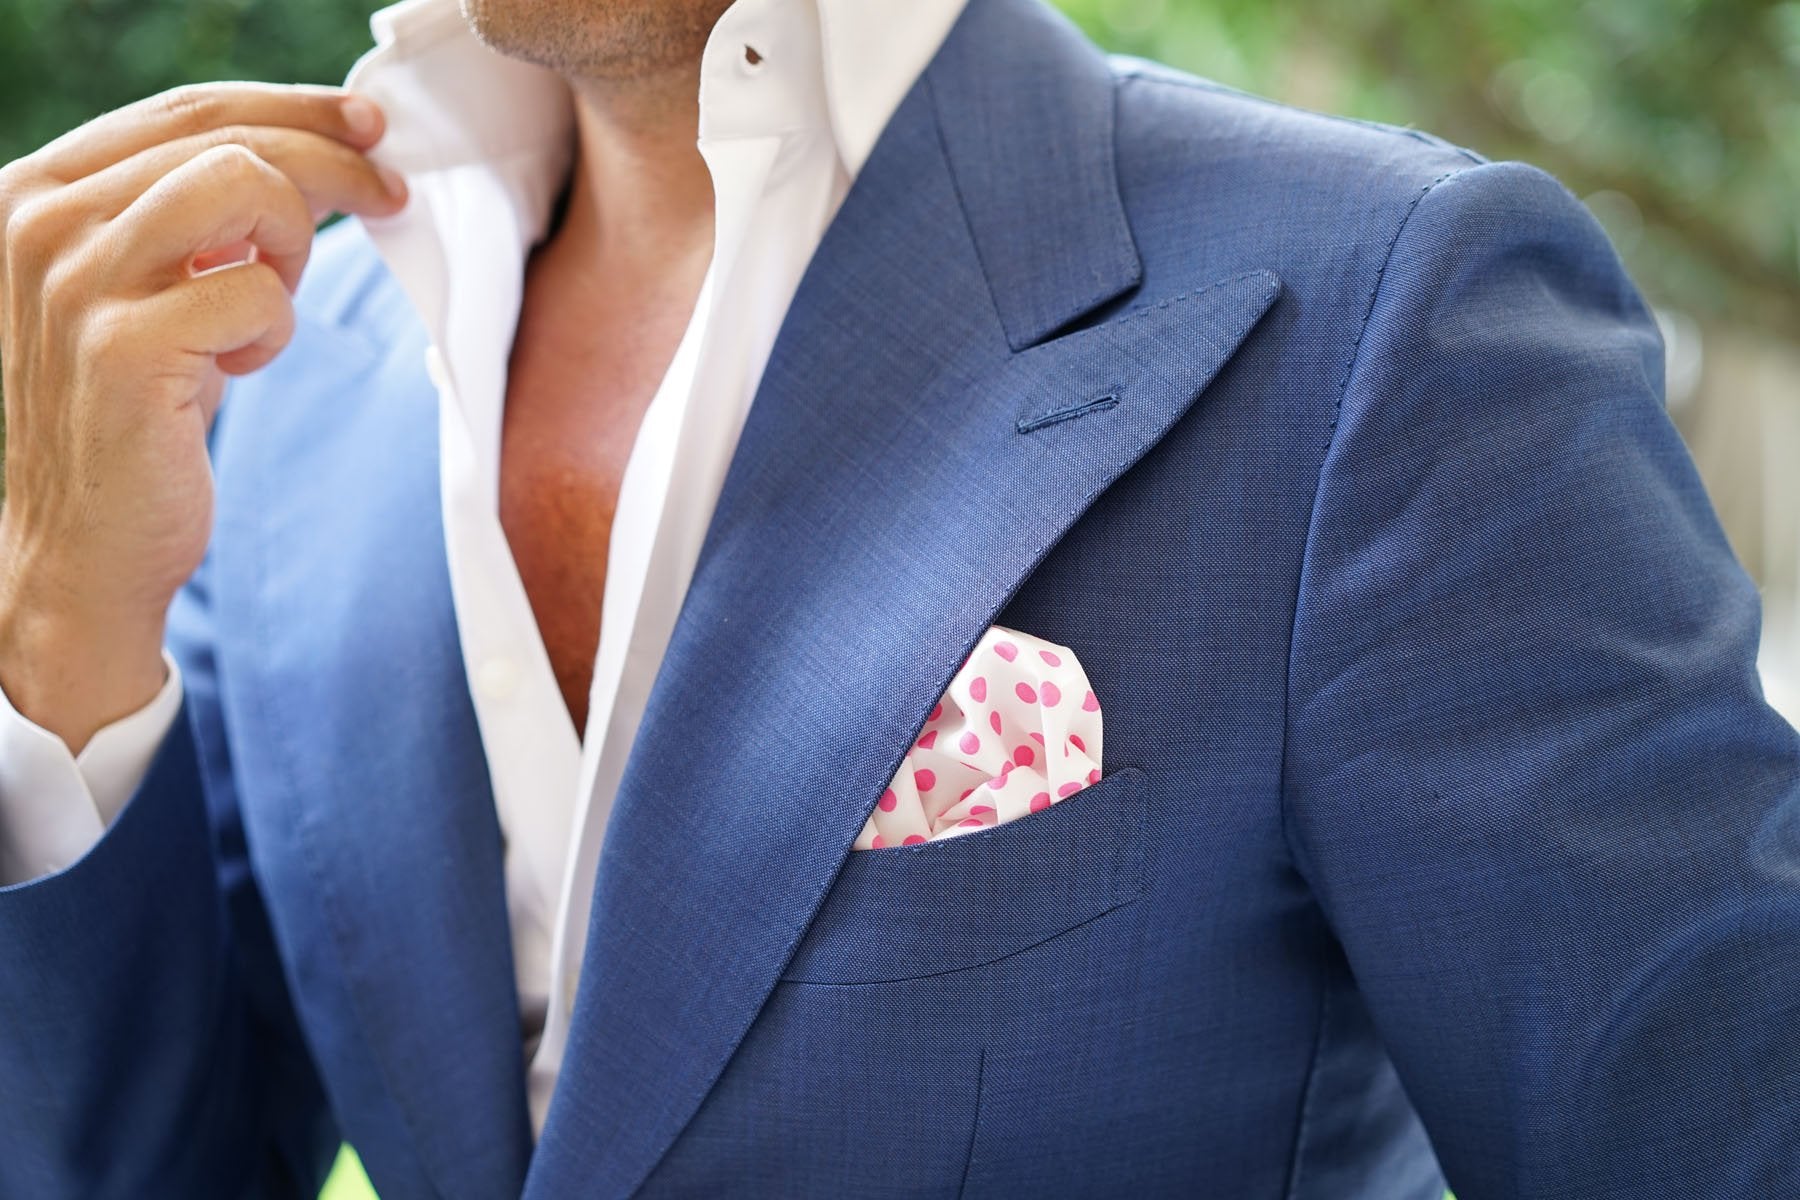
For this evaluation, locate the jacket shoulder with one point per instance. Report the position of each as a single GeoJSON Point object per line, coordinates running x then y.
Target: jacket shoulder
{"type": "Point", "coordinates": [1217, 179]}
{"type": "Point", "coordinates": [1267, 137]}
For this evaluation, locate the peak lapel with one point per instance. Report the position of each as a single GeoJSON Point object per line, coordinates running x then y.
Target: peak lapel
{"type": "Point", "coordinates": [901, 471]}
{"type": "Point", "coordinates": [1025, 108]}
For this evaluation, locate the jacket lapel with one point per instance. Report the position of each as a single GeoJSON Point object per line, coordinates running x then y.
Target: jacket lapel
{"type": "Point", "coordinates": [364, 782]}
{"type": "Point", "coordinates": [918, 442]}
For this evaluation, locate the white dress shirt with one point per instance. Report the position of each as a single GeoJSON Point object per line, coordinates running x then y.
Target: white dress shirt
{"type": "Point", "coordinates": [793, 95]}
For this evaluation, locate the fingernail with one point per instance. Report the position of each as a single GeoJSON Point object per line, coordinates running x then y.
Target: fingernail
{"type": "Point", "coordinates": [361, 117]}
{"type": "Point", "coordinates": [393, 181]}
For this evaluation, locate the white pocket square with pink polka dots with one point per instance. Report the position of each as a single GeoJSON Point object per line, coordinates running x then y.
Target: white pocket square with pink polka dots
{"type": "Point", "coordinates": [1018, 731]}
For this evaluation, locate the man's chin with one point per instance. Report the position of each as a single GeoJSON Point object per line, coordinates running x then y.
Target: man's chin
{"type": "Point", "coordinates": [598, 39]}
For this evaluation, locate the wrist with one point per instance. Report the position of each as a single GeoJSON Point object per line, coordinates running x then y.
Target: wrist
{"type": "Point", "coordinates": [73, 671]}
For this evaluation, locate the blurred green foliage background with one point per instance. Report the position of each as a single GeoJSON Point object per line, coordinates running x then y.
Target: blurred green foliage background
{"type": "Point", "coordinates": [1676, 121]}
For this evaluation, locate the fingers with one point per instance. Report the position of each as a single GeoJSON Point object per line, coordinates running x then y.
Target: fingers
{"type": "Point", "coordinates": [220, 196]}
{"type": "Point", "coordinates": [206, 260]}
{"type": "Point", "coordinates": [192, 171]}
{"type": "Point", "coordinates": [330, 175]}
{"type": "Point", "coordinates": [242, 315]}
{"type": "Point", "coordinates": [195, 109]}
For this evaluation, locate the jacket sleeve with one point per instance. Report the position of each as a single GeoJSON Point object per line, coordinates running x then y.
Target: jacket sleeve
{"type": "Point", "coordinates": [1531, 776]}
{"type": "Point", "coordinates": [147, 1043]}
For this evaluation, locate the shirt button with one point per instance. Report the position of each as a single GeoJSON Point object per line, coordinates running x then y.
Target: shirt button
{"type": "Point", "coordinates": [497, 679]}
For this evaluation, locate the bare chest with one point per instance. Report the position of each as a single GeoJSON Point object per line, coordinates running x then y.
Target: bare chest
{"type": "Point", "coordinates": [577, 390]}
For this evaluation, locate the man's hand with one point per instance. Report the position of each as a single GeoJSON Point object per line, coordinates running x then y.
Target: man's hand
{"type": "Point", "coordinates": [145, 256]}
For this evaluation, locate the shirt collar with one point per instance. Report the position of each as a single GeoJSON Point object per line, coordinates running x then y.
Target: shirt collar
{"type": "Point", "coordinates": [486, 141]}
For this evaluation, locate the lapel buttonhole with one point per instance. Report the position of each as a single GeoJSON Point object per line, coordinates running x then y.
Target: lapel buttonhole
{"type": "Point", "coordinates": [1068, 412]}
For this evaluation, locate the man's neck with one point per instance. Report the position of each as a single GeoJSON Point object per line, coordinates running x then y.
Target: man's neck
{"type": "Point", "coordinates": [641, 197]}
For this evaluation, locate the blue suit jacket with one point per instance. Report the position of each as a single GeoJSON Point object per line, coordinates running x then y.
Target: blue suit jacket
{"type": "Point", "coordinates": [1441, 803]}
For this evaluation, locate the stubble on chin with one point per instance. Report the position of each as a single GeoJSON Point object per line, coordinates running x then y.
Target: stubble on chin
{"type": "Point", "coordinates": [600, 40]}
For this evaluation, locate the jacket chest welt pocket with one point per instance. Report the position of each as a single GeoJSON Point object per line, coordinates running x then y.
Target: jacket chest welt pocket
{"type": "Point", "coordinates": [947, 905]}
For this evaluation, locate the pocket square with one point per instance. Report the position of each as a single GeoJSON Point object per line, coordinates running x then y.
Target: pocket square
{"type": "Point", "coordinates": [1018, 730]}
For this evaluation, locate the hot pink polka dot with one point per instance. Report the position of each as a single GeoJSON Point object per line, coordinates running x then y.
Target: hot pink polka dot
{"type": "Point", "coordinates": [981, 686]}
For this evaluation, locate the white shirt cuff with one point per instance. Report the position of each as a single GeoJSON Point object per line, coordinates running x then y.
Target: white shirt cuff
{"type": "Point", "coordinates": [55, 806]}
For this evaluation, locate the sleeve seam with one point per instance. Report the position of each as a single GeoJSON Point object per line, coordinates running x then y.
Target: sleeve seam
{"type": "Point", "coordinates": [1343, 385]}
